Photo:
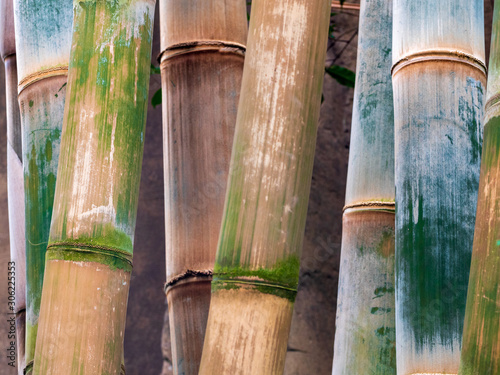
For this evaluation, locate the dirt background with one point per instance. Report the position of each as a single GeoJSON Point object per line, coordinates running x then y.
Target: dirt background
{"type": "Point", "coordinates": [310, 347]}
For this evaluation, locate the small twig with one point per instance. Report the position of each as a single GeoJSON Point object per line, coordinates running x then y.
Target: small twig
{"type": "Point", "coordinates": [345, 46]}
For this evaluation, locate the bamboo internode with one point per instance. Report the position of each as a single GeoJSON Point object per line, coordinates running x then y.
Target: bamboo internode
{"type": "Point", "coordinates": [43, 36]}
{"type": "Point", "coordinates": [365, 324]}
{"type": "Point", "coordinates": [15, 183]}
{"type": "Point", "coordinates": [439, 81]}
{"type": "Point", "coordinates": [480, 344]}
{"type": "Point", "coordinates": [203, 45]}
{"type": "Point", "coordinates": [257, 265]}
{"type": "Point", "coordinates": [89, 256]}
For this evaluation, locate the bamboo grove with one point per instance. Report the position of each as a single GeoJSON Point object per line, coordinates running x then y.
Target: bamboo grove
{"type": "Point", "coordinates": [418, 281]}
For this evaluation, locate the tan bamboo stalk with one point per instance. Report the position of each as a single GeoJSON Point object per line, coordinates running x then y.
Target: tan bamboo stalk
{"type": "Point", "coordinates": [480, 345]}
{"type": "Point", "coordinates": [15, 184]}
{"type": "Point", "coordinates": [257, 265]}
{"type": "Point", "coordinates": [43, 36]}
{"type": "Point", "coordinates": [365, 335]}
{"type": "Point", "coordinates": [89, 256]}
{"type": "Point", "coordinates": [439, 81]}
{"type": "Point", "coordinates": [203, 45]}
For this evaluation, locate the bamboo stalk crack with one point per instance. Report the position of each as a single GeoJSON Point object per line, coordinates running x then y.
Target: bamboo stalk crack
{"type": "Point", "coordinates": [439, 55]}
{"type": "Point", "coordinates": [201, 45]}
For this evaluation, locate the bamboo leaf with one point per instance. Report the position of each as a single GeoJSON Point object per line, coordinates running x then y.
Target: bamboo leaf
{"type": "Point", "coordinates": [156, 99]}
{"type": "Point", "coordinates": [342, 75]}
{"type": "Point", "coordinates": [155, 70]}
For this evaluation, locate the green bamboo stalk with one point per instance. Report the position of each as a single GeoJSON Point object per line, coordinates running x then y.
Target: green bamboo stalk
{"type": "Point", "coordinates": [365, 336]}
{"type": "Point", "coordinates": [203, 45]}
{"type": "Point", "coordinates": [89, 256]}
{"type": "Point", "coordinates": [480, 344]}
{"type": "Point", "coordinates": [43, 36]}
{"type": "Point", "coordinates": [257, 265]}
{"type": "Point", "coordinates": [15, 184]}
{"type": "Point", "coordinates": [438, 80]}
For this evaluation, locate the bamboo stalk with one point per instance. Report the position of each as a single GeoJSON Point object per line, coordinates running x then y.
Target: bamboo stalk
{"type": "Point", "coordinates": [89, 256]}
{"type": "Point", "coordinates": [43, 43]}
{"type": "Point", "coordinates": [257, 265]}
{"type": "Point", "coordinates": [365, 335]}
{"type": "Point", "coordinates": [202, 57]}
{"type": "Point", "coordinates": [480, 344]}
{"type": "Point", "coordinates": [439, 80]}
{"type": "Point", "coordinates": [15, 184]}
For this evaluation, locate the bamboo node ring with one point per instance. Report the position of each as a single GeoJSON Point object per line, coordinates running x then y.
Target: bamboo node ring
{"type": "Point", "coordinates": [198, 46]}
{"type": "Point", "coordinates": [439, 55]}
{"type": "Point", "coordinates": [38, 76]}
{"type": "Point", "coordinates": [371, 205]}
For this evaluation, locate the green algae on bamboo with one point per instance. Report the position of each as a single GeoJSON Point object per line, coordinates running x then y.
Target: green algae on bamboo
{"type": "Point", "coordinates": [439, 86]}
{"type": "Point", "coordinates": [89, 255]}
{"type": "Point", "coordinates": [260, 242]}
{"type": "Point", "coordinates": [203, 45]}
{"type": "Point", "coordinates": [480, 344]}
{"type": "Point", "coordinates": [15, 183]}
{"type": "Point", "coordinates": [43, 36]}
{"type": "Point", "coordinates": [365, 335]}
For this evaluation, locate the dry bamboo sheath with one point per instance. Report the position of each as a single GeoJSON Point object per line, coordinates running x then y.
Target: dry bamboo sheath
{"type": "Point", "coordinates": [89, 256]}
{"type": "Point", "coordinates": [43, 36]}
{"type": "Point", "coordinates": [15, 184]}
{"type": "Point", "coordinates": [365, 327]}
{"type": "Point", "coordinates": [203, 46]}
{"type": "Point", "coordinates": [438, 80]}
{"type": "Point", "coordinates": [257, 264]}
{"type": "Point", "coordinates": [480, 345]}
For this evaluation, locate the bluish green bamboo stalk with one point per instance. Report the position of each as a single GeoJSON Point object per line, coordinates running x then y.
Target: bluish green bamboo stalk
{"type": "Point", "coordinates": [365, 335]}
{"type": "Point", "coordinates": [439, 81]}
{"type": "Point", "coordinates": [43, 36]}
{"type": "Point", "coordinates": [480, 343]}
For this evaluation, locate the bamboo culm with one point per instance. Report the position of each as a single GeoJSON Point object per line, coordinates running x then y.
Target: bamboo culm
{"type": "Point", "coordinates": [439, 82]}
{"type": "Point", "coordinates": [203, 46]}
{"type": "Point", "coordinates": [43, 38]}
{"type": "Point", "coordinates": [89, 255]}
{"type": "Point", "coordinates": [480, 344]}
{"type": "Point", "coordinates": [365, 335]}
{"type": "Point", "coordinates": [15, 183]}
{"type": "Point", "coordinates": [257, 264]}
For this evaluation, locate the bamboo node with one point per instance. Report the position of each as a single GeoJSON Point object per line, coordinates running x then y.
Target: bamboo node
{"type": "Point", "coordinates": [186, 275]}
{"type": "Point", "coordinates": [439, 55]}
{"type": "Point", "coordinates": [201, 46]}
{"type": "Point", "coordinates": [372, 205]}
{"type": "Point", "coordinates": [38, 76]}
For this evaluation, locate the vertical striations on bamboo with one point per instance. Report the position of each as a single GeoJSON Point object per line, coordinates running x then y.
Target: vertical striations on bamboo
{"type": "Point", "coordinates": [43, 39]}
{"type": "Point", "coordinates": [257, 264]}
{"type": "Point", "coordinates": [480, 343]}
{"type": "Point", "coordinates": [89, 256]}
{"type": "Point", "coordinates": [203, 45]}
{"type": "Point", "coordinates": [15, 184]}
{"type": "Point", "coordinates": [439, 81]}
{"type": "Point", "coordinates": [365, 336]}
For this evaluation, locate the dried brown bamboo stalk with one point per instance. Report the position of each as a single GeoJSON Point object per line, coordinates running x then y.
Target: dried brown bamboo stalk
{"type": "Point", "coordinates": [15, 184]}
{"type": "Point", "coordinates": [257, 266]}
{"type": "Point", "coordinates": [203, 45]}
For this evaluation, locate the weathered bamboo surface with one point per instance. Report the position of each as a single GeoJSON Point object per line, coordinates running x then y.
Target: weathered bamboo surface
{"type": "Point", "coordinates": [439, 81]}
{"type": "Point", "coordinates": [15, 183]}
{"type": "Point", "coordinates": [203, 45]}
{"type": "Point", "coordinates": [43, 36]}
{"type": "Point", "coordinates": [257, 264]}
{"type": "Point", "coordinates": [89, 256]}
{"type": "Point", "coordinates": [365, 335]}
{"type": "Point", "coordinates": [480, 345]}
